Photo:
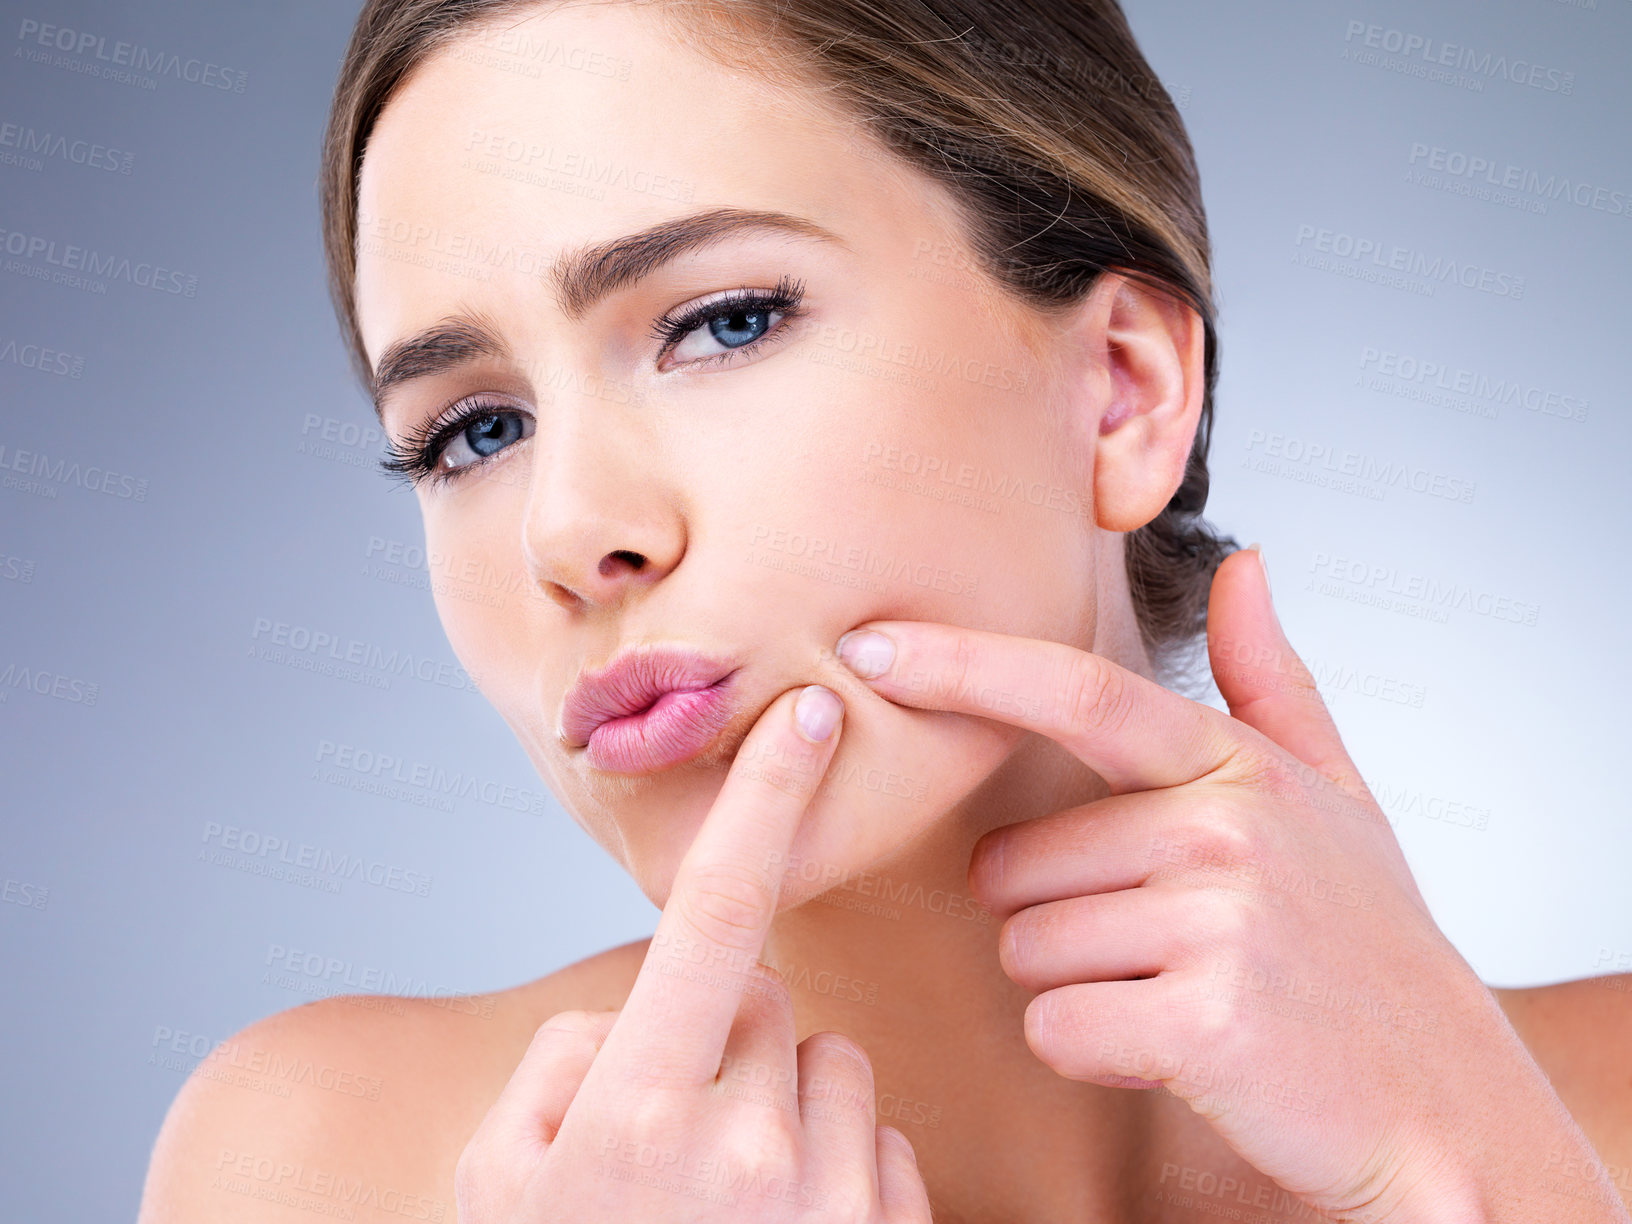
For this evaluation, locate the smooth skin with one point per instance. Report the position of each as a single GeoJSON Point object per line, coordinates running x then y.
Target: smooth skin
{"type": "Point", "coordinates": [712, 473]}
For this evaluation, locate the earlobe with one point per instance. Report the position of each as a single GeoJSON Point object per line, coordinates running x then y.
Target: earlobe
{"type": "Point", "coordinates": [1152, 346]}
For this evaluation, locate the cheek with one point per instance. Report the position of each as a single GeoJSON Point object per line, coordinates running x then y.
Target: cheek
{"type": "Point", "coordinates": [486, 604]}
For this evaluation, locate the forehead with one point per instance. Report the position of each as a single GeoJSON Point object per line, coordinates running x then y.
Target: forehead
{"type": "Point", "coordinates": [572, 126]}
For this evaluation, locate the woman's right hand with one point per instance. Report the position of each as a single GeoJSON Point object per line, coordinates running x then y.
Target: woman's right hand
{"type": "Point", "coordinates": [693, 1102]}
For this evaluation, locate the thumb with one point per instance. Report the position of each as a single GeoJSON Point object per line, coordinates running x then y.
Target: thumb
{"type": "Point", "coordinates": [1261, 677]}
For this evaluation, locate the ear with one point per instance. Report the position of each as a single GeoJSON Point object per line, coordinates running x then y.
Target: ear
{"type": "Point", "coordinates": [1149, 351]}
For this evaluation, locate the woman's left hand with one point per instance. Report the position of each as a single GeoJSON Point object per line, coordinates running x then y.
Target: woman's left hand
{"type": "Point", "coordinates": [1237, 922]}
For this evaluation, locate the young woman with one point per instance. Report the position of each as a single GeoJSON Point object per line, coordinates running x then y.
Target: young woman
{"type": "Point", "coordinates": [733, 329]}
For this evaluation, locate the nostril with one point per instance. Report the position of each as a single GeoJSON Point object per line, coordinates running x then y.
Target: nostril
{"type": "Point", "coordinates": [633, 559]}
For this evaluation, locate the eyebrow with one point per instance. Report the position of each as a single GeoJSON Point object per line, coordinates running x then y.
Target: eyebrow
{"type": "Point", "coordinates": [581, 277]}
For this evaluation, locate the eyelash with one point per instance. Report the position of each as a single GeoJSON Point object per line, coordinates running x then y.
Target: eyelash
{"type": "Point", "coordinates": [416, 457]}
{"type": "Point", "coordinates": [785, 298]}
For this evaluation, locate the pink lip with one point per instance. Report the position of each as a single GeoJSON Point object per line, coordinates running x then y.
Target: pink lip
{"type": "Point", "coordinates": [648, 710]}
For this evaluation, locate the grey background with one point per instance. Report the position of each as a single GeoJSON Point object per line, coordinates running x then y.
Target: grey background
{"type": "Point", "coordinates": [1490, 741]}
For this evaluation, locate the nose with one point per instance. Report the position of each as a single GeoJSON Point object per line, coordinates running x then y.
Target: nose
{"type": "Point", "coordinates": [600, 522]}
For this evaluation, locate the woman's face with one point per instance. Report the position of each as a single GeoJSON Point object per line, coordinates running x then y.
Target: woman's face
{"type": "Point", "coordinates": [900, 443]}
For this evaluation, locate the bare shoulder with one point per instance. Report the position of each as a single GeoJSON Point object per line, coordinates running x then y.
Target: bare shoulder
{"type": "Point", "coordinates": [1580, 1034]}
{"type": "Point", "coordinates": [356, 1101]}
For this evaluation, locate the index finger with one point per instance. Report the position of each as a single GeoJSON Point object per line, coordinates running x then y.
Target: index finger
{"type": "Point", "coordinates": [1130, 730]}
{"type": "Point", "coordinates": [678, 1015]}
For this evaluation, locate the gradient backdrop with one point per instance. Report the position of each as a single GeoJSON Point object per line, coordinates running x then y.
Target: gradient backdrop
{"type": "Point", "coordinates": [185, 465]}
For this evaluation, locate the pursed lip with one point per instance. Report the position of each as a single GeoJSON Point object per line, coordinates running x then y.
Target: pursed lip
{"type": "Point", "coordinates": [633, 681]}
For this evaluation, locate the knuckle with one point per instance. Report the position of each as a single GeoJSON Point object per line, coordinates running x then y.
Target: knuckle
{"type": "Point", "coordinates": [727, 903]}
{"type": "Point", "coordinates": [1257, 767]}
{"type": "Point", "coordinates": [1219, 835]}
{"type": "Point", "coordinates": [473, 1180]}
{"type": "Point", "coordinates": [1049, 1026]}
{"type": "Point", "coordinates": [1223, 922]}
{"type": "Point", "coordinates": [568, 1032]}
{"type": "Point", "coordinates": [773, 1149]}
{"type": "Point", "coordinates": [839, 1055]}
{"type": "Point", "coordinates": [1215, 1017]}
{"type": "Point", "coordinates": [897, 1143]}
{"type": "Point", "coordinates": [766, 991]}
{"type": "Point", "coordinates": [1093, 695]}
{"type": "Point", "coordinates": [564, 1024]}
{"type": "Point", "coordinates": [646, 1112]}
{"type": "Point", "coordinates": [465, 1170]}
{"type": "Point", "coordinates": [1058, 1035]}
{"type": "Point", "coordinates": [1018, 941]}
{"type": "Point", "coordinates": [573, 1020]}
{"type": "Point", "coordinates": [966, 663]}
{"type": "Point", "coordinates": [987, 874]}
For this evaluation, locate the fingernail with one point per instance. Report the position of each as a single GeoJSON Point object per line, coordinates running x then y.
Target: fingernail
{"type": "Point", "coordinates": [1264, 566]}
{"type": "Point", "coordinates": [817, 712]}
{"type": "Point", "coordinates": [866, 652]}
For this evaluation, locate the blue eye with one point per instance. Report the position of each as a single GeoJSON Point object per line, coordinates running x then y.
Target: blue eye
{"type": "Point", "coordinates": [738, 321]}
{"type": "Point", "coordinates": [463, 437]}
{"type": "Point", "coordinates": [485, 435]}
